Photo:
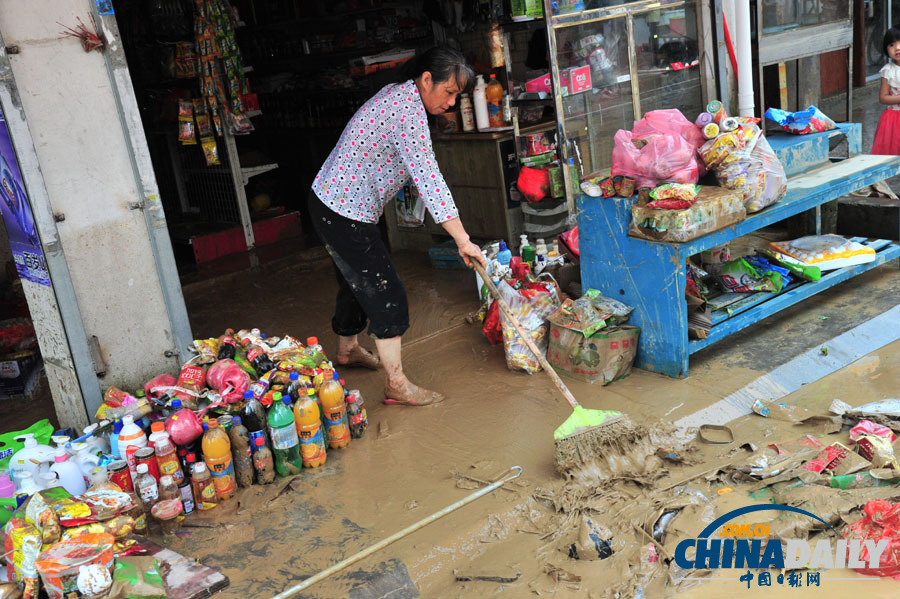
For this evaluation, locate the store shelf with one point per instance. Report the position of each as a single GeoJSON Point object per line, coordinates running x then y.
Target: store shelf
{"type": "Point", "coordinates": [252, 171]}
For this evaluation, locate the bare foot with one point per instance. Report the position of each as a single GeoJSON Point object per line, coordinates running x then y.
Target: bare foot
{"type": "Point", "coordinates": [359, 356]}
{"type": "Point", "coordinates": [409, 394]}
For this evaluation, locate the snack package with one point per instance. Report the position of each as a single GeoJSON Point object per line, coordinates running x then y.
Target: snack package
{"type": "Point", "coordinates": [119, 527]}
{"type": "Point", "coordinates": [877, 450]}
{"type": "Point", "coordinates": [59, 564]}
{"type": "Point", "coordinates": [738, 276]}
{"type": "Point", "coordinates": [210, 151]}
{"type": "Point", "coordinates": [867, 427]}
{"type": "Point", "coordinates": [811, 120]}
{"type": "Point", "coordinates": [673, 196]}
{"type": "Point", "coordinates": [618, 312]}
{"type": "Point", "coordinates": [186, 128]}
{"type": "Point", "coordinates": [22, 546]}
{"type": "Point", "coordinates": [137, 577]}
{"type": "Point", "coordinates": [531, 308]}
{"type": "Point", "coordinates": [828, 252]}
{"type": "Point", "coordinates": [206, 351]}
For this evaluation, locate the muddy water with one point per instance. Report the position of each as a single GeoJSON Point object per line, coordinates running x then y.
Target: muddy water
{"type": "Point", "coordinates": [413, 462]}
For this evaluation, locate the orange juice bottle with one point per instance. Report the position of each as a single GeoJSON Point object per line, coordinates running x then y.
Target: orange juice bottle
{"type": "Point", "coordinates": [337, 429]}
{"type": "Point", "coordinates": [308, 420]}
{"type": "Point", "coordinates": [494, 95]}
{"type": "Point", "coordinates": [217, 455]}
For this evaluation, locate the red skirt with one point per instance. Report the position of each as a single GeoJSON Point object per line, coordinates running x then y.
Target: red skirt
{"type": "Point", "coordinates": [887, 136]}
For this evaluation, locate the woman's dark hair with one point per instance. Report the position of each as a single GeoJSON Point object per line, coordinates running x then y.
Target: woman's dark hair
{"type": "Point", "coordinates": [444, 63]}
{"type": "Point", "coordinates": [891, 35]}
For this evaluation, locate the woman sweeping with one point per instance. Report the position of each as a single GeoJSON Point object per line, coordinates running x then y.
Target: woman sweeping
{"type": "Point", "coordinates": [384, 146]}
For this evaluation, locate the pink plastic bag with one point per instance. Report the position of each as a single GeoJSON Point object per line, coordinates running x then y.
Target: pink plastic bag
{"type": "Point", "coordinates": [867, 427]}
{"type": "Point", "coordinates": [159, 382]}
{"type": "Point", "coordinates": [229, 379]}
{"type": "Point", "coordinates": [184, 427]}
{"type": "Point", "coordinates": [882, 521]}
{"type": "Point", "coordinates": [668, 151]}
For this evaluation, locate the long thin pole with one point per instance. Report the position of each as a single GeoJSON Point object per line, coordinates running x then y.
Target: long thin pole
{"type": "Point", "coordinates": [516, 473]}
{"type": "Point", "coordinates": [526, 337]}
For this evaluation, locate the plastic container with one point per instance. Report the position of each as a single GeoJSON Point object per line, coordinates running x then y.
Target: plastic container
{"type": "Point", "coordinates": [285, 442]}
{"type": "Point", "coordinates": [131, 438]}
{"type": "Point", "coordinates": [504, 255]}
{"type": "Point", "coordinates": [14, 441]}
{"type": "Point", "coordinates": [168, 514]}
{"type": "Point", "coordinates": [467, 112]}
{"type": "Point", "coordinates": [356, 414]}
{"type": "Point", "coordinates": [217, 455]}
{"type": "Point", "coordinates": [146, 487]}
{"type": "Point", "coordinates": [97, 443]}
{"type": "Point", "coordinates": [81, 454]}
{"type": "Point", "coordinates": [479, 104]}
{"type": "Point", "coordinates": [334, 408]}
{"type": "Point", "coordinates": [26, 486]}
{"type": "Point", "coordinates": [167, 459]}
{"type": "Point", "coordinates": [156, 429]}
{"type": "Point", "coordinates": [186, 494]}
{"type": "Point", "coordinates": [30, 458]}
{"type": "Point", "coordinates": [168, 489]}
{"type": "Point", "coordinates": [493, 93]}
{"type": "Point", "coordinates": [114, 439]}
{"type": "Point", "coordinates": [263, 463]}
{"type": "Point", "coordinates": [71, 478]}
{"type": "Point", "coordinates": [240, 452]}
{"type": "Point", "coordinates": [204, 488]}
{"type": "Point", "coordinates": [308, 421]}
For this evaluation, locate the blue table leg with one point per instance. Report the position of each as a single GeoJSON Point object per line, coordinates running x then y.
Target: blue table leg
{"type": "Point", "coordinates": [648, 276]}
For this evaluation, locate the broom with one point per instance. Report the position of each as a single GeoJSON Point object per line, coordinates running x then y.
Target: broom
{"type": "Point", "coordinates": [587, 436]}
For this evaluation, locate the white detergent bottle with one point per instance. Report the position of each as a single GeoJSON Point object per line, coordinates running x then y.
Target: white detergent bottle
{"type": "Point", "coordinates": [31, 458]}
{"type": "Point", "coordinates": [70, 476]}
{"type": "Point", "coordinates": [479, 99]}
{"type": "Point", "coordinates": [87, 461]}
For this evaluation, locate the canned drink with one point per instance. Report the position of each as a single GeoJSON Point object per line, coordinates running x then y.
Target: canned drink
{"type": "Point", "coordinates": [120, 475]}
{"type": "Point", "coordinates": [187, 496]}
{"type": "Point", "coordinates": [627, 187]}
{"type": "Point", "coordinates": [147, 455]}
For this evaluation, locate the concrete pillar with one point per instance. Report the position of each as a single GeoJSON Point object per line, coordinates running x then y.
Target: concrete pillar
{"type": "Point", "coordinates": [96, 179]}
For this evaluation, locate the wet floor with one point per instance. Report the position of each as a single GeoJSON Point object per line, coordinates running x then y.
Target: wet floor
{"type": "Point", "coordinates": [415, 461]}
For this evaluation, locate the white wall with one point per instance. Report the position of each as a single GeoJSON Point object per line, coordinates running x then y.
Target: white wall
{"type": "Point", "coordinates": [84, 156]}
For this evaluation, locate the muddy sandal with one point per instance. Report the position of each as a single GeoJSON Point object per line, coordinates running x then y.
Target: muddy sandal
{"type": "Point", "coordinates": [360, 356]}
{"type": "Point", "coordinates": [412, 395]}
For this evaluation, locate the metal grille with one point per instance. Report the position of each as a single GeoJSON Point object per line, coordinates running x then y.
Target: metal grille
{"type": "Point", "coordinates": [209, 189]}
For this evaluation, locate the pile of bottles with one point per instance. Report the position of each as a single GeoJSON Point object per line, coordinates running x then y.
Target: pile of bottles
{"type": "Point", "coordinates": [178, 438]}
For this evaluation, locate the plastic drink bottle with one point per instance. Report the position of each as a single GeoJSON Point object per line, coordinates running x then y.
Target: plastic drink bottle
{"type": "Point", "coordinates": [263, 463]}
{"type": "Point", "coordinates": [253, 416]}
{"type": "Point", "coordinates": [155, 428]}
{"type": "Point", "coordinates": [285, 442]}
{"type": "Point", "coordinates": [337, 429]}
{"type": "Point", "coordinates": [308, 421]}
{"type": "Point", "coordinates": [504, 255]}
{"type": "Point", "coordinates": [256, 355]}
{"type": "Point", "coordinates": [71, 478]}
{"type": "Point", "coordinates": [204, 487]}
{"type": "Point", "coordinates": [167, 459]}
{"type": "Point", "coordinates": [227, 346]}
{"type": "Point", "coordinates": [131, 438]}
{"type": "Point", "coordinates": [313, 344]}
{"type": "Point", "coordinates": [167, 488]}
{"type": "Point", "coordinates": [186, 494]}
{"type": "Point", "coordinates": [356, 414]}
{"type": "Point", "coordinates": [293, 388]}
{"type": "Point", "coordinates": [494, 96]}
{"type": "Point", "coordinates": [217, 455]}
{"type": "Point", "coordinates": [146, 487]}
{"type": "Point", "coordinates": [240, 452]}
{"type": "Point", "coordinates": [479, 101]}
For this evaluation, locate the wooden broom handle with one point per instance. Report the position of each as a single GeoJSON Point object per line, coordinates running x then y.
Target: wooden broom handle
{"type": "Point", "coordinates": [525, 336]}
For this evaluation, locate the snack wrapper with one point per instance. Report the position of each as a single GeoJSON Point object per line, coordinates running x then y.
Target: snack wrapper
{"type": "Point", "coordinates": [811, 120]}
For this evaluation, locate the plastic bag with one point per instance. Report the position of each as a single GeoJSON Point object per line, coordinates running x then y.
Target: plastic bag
{"type": "Point", "coordinates": [882, 521]}
{"type": "Point", "coordinates": [674, 196]}
{"type": "Point", "coordinates": [811, 120]}
{"type": "Point", "coordinates": [738, 276]}
{"type": "Point", "coordinates": [534, 183]}
{"type": "Point", "coordinates": [745, 163]}
{"type": "Point", "coordinates": [867, 427]}
{"type": "Point", "coordinates": [229, 379]}
{"type": "Point", "coordinates": [661, 147]}
{"type": "Point", "coordinates": [531, 308]}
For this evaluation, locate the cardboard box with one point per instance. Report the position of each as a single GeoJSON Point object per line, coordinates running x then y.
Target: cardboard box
{"type": "Point", "coordinates": [605, 356]}
{"type": "Point", "coordinates": [539, 84]}
{"type": "Point", "coordinates": [575, 80]}
{"type": "Point", "coordinates": [17, 373]}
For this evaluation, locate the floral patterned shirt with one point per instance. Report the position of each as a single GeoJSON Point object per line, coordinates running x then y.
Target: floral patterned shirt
{"type": "Point", "coordinates": [384, 146]}
{"type": "Point", "coordinates": [891, 72]}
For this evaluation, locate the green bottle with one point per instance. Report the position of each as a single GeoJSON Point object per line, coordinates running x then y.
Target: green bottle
{"type": "Point", "coordinates": [285, 442]}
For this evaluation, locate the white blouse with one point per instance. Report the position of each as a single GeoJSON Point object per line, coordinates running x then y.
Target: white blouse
{"type": "Point", "coordinates": [891, 72]}
{"type": "Point", "coordinates": [384, 146]}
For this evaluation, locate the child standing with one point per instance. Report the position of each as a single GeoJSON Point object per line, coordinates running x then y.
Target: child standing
{"type": "Point", "coordinates": [887, 136]}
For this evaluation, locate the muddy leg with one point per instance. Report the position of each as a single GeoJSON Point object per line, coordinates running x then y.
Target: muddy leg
{"type": "Point", "coordinates": [397, 388]}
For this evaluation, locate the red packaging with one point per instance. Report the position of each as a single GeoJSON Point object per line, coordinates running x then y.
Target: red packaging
{"type": "Point", "coordinates": [147, 455]}
{"type": "Point", "coordinates": [116, 398]}
{"type": "Point", "coordinates": [828, 459]}
{"type": "Point", "coordinates": [867, 427]}
{"type": "Point", "coordinates": [192, 378]}
{"type": "Point", "coordinates": [120, 475]}
{"type": "Point", "coordinates": [184, 427]}
{"type": "Point", "coordinates": [159, 381]}
{"type": "Point", "coordinates": [881, 522]}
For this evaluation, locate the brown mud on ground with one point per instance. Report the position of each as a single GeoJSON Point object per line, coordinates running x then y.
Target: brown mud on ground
{"type": "Point", "coordinates": [415, 461]}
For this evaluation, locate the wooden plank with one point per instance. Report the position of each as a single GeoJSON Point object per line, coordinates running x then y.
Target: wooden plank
{"type": "Point", "coordinates": [789, 298]}
{"type": "Point", "coordinates": [184, 577]}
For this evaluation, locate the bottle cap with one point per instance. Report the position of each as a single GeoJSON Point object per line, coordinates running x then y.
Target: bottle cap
{"type": "Point", "coordinates": [142, 469]}
{"type": "Point", "coordinates": [294, 376]}
{"type": "Point", "coordinates": [158, 427]}
{"type": "Point", "coordinates": [235, 420]}
{"type": "Point", "coordinates": [206, 426]}
{"type": "Point", "coordinates": [126, 420]}
{"type": "Point", "coordinates": [312, 341]}
{"type": "Point", "coordinates": [502, 246]}
{"type": "Point", "coordinates": [61, 455]}
{"type": "Point", "coordinates": [335, 376]}
{"type": "Point", "coordinates": [117, 428]}
{"type": "Point", "coordinates": [213, 422]}
{"type": "Point", "coordinates": [165, 479]}
{"type": "Point", "coordinates": [140, 394]}
{"type": "Point", "coordinates": [260, 441]}
{"type": "Point", "coordinates": [248, 394]}
{"type": "Point", "coordinates": [176, 403]}
{"type": "Point", "coordinates": [277, 396]}
{"type": "Point", "coordinates": [191, 458]}
{"type": "Point", "coordinates": [351, 399]}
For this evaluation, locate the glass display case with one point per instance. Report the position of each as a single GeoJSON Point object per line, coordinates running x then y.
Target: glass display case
{"type": "Point", "coordinates": [613, 62]}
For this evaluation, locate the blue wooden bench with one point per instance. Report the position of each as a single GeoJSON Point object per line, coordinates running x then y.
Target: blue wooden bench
{"type": "Point", "coordinates": [651, 277]}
